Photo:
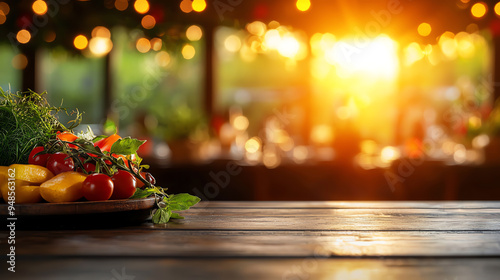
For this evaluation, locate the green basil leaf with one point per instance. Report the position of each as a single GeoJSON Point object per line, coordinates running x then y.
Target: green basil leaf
{"type": "Point", "coordinates": [161, 216]}
{"type": "Point", "coordinates": [140, 193]}
{"type": "Point", "coordinates": [85, 144]}
{"type": "Point", "coordinates": [176, 216]}
{"type": "Point", "coordinates": [126, 146]}
{"type": "Point", "coordinates": [182, 201]}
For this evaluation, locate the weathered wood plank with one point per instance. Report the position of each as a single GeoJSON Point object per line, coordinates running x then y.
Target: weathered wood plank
{"type": "Point", "coordinates": [338, 219]}
{"type": "Point", "coordinates": [350, 205]}
{"type": "Point", "coordinates": [177, 243]}
{"type": "Point", "coordinates": [280, 269]}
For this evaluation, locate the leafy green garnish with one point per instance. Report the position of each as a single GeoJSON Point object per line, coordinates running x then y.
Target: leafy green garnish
{"type": "Point", "coordinates": [27, 121]}
{"type": "Point", "coordinates": [126, 146]}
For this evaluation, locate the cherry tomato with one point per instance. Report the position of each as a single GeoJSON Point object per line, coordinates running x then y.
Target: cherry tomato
{"type": "Point", "coordinates": [148, 177]}
{"type": "Point", "coordinates": [89, 167]}
{"type": "Point", "coordinates": [106, 143]}
{"type": "Point", "coordinates": [125, 185]}
{"type": "Point", "coordinates": [97, 186]}
{"type": "Point", "coordinates": [40, 159]}
{"type": "Point", "coordinates": [60, 162]}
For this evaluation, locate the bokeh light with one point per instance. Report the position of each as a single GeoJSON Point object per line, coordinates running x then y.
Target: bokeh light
{"type": "Point", "coordinates": [20, 61]}
{"type": "Point", "coordinates": [39, 7]}
{"type": "Point", "coordinates": [424, 29]}
{"type": "Point", "coordinates": [23, 36]}
{"type": "Point", "coordinates": [141, 6]}
{"type": "Point", "coordinates": [188, 51]}
{"type": "Point", "coordinates": [241, 123]}
{"type": "Point", "coordinates": [148, 22]}
{"type": "Point", "coordinates": [156, 44]}
{"type": "Point", "coordinates": [194, 33]}
{"type": "Point", "coordinates": [101, 31]}
{"type": "Point", "coordinates": [4, 8]}
{"type": "Point", "coordinates": [478, 10]}
{"type": "Point", "coordinates": [121, 5]}
{"type": "Point", "coordinates": [497, 9]}
{"type": "Point", "coordinates": [199, 5]}
{"type": "Point", "coordinates": [80, 42]}
{"type": "Point", "coordinates": [257, 28]}
{"type": "Point", "coordinates": [100, 46]}
{"type": "Point", "coordinates": [162, 58]}
{"type": "Point", "coordinates": [49, 36]}
{"type": "Point", "coordinates": [186, 6]}
{"type": "Point", "coordinates": [232, 43]}
{"type": "Point", "coordinates": [389, 154]}
{"type": "Point", "coordinates": [303, 5]}
{"type": "Point", "coordinates": [143, 45]}
{"type": "Point", "coordinates": [252, 145]}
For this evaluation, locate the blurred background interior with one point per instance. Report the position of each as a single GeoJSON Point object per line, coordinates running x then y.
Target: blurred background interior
{"type": "Point", "coordinates": [278, 100]}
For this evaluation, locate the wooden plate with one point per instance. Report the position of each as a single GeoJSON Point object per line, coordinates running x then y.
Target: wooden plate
{"type": "Point", "coordinates": [81, 214]}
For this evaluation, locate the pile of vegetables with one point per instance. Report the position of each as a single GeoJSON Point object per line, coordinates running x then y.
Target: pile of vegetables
{"type": "Point", "coordinates": [74, 167]}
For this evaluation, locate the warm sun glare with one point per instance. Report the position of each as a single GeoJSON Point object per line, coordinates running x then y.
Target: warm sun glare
{"type": "Point", "coordinates": [377, 58]}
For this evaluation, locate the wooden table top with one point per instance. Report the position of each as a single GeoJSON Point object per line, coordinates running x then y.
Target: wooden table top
{"type": "Point", "coordinates": [276, 240]}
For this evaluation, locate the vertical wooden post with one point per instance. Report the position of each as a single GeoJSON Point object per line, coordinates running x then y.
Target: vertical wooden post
{"type": "Point", "coordinates": [496, 68]}
{"type": "Point", "coordinates": [209, 71]}
{"type": "Point", "coordinates": [108, 86]}
{"type": "Point", "coordinates": [28, 79]}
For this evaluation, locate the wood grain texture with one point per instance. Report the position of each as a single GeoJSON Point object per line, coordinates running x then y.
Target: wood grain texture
{"type": "Point", "coordinates": [279, 240]}
{"type": "Point", "coordinates": [261, 269]}
{"type": "Point", "coordinates": [349, 204]}
{"type": "Point", "coordinates": [200, 243]}
{"type": "Point", "coordinates": [338, 219]}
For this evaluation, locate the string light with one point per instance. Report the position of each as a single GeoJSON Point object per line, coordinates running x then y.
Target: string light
{"type": "Point", "coordinates": [80, 42]}
{"type": "Point", "coordinates": [199, 5]}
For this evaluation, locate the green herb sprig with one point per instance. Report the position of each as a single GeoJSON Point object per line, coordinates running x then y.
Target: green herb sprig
{"type": "Point", "coordinates": [27, 121]}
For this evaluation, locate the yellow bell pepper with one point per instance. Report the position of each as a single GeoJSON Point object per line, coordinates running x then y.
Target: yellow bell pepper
{"type": "Point", "coordinates": [64, 187]}
{"type": "Point", "coordinates": [31, 173]}
{"type": "Point", "coordinates": [24, 192]}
